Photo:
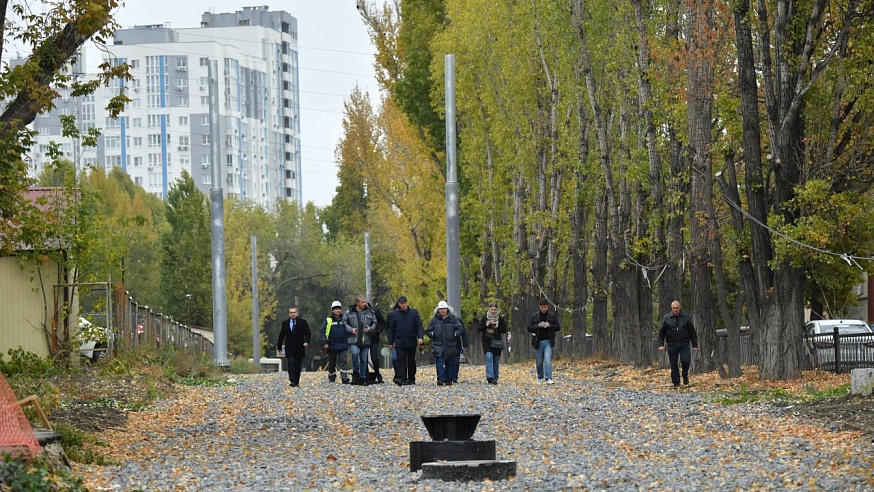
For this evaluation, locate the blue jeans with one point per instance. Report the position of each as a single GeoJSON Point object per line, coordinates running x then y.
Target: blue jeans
{"type": "Point", "coordinates": [360, 356]}
{"type": "Point", "coordinates": [544, 360]}
{"type": "Point", "coordinates": [447, 367]}
{"type": "Point", "coordinates": [493, 361]}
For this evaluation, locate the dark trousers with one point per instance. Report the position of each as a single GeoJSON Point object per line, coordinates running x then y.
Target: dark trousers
{"type": "Point", "coordinates": [683, 353]}
{"type": "Point", "coordinates": [374, 359]}
{"type": "Point", "coordinates": [294, 365]}
{"type": "Point", "coordinates": [405, 366]}
{"type": "Point", "coordinates": [338, 359]}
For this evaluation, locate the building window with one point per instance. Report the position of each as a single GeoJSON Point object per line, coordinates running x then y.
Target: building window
{"type": "Point", "coordinates": [204, 61]}
{"type": "Point", "coordinates": [205, 139]}
{"type": "Point", "coordinates": [113, 142]}
{"type": "Point", "coordinates": [135, 64]}
{"type": "Point", "coordinates": [138, 141]}
{"type": "Point", "coordinates": [204, 100]}
{"type": "Point", "coordinates": [183, 121]}
{"type": "Point", "coordinates": [204, 120]}
{"type": "Point", "coordinates": [138, 161]}
{"type": "Point", "coordinates": [137, 122]}
{"type": "Point", "coordinates": [138, 181]}
{"type": "Point", "coordinates": [113, 161]}
{"type": "Point", "coordinates": [182, 101]}
{"type": "Point", "coordinates": [207, 178]}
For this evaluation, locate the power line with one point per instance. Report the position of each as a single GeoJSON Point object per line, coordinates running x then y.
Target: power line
{"type": "Point", "coordinates": [850, 259]}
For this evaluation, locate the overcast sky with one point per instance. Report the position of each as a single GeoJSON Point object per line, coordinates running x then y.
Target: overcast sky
{"type": "Point", "coordinates": [335, 55]}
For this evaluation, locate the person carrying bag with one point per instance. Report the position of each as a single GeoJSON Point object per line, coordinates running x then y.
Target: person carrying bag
{"type": "Point", "coordinates": [492, 326]}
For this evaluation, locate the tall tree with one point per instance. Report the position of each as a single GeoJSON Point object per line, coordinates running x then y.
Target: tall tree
{"type": "Point", "coordinates": [358, 150]}
{"type": "Point", "coordinates": [53, 34]}
{"type": "Point", "coordinates": [186, 270]}
{"type": "Point", "coordinates": [243, 221]}
{"type": "Point", "coordinates": [806, 37]}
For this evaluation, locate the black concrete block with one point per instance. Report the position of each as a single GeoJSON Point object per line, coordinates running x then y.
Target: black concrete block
{"type": "Point", "coordinates": [464, 471]}
{"type": "Point", "coordinates": [428, 451]}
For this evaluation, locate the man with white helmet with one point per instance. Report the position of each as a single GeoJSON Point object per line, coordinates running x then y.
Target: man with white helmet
{"type": "Point", "coordinates": [445, 330]}
{"type": "Point", "coordinates": [334, 335]}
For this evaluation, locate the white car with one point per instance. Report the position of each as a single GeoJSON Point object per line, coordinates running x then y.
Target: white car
{"type": "Point", "coordinates": [92, 337]}
{"type": "Point", "coordinates": [855, 340]}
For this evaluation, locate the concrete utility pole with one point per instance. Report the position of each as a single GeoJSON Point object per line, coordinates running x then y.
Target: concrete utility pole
{"type": "Point", "coordinates": [217, 228]}
{"type": "Point", "coordinates": [256, 309]}
{"type": "Point", "coordinates": [453, 268]}
{"type": "Point", "coordinates": [367, 266]}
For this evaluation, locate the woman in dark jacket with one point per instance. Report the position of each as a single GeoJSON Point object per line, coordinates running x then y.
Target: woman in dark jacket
{"type": "Point", "coordinates": [444, 330]}
{"type": "Point", "coordinates": [492, 326]}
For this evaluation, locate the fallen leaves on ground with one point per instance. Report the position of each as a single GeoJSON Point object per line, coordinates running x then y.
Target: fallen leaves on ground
{"type": "Point", "coordinates": [196, 412]}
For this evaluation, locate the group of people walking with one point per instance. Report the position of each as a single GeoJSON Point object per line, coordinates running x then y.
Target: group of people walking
{"type": "Point", "coordinates": [356, 332]}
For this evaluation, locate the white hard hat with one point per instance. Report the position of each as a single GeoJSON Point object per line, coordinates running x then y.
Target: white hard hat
{"type": "Point", "coordinates": [336, 304]}
{"type": "Point", "coordinates": [442, 305]}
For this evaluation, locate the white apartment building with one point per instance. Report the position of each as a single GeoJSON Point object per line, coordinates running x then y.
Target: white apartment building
{"type": "Point", "coordinates": [165, 128]}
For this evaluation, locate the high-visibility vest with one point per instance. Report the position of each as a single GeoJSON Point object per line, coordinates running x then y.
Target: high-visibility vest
{"type": "Point", "coordinates": [328, 329]}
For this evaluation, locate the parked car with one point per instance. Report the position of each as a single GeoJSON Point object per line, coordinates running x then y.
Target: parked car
{"type": "Point", "coordinates": [855, 343]}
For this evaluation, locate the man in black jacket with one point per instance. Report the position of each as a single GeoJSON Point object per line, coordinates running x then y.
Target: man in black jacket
{"type": "Point", "coordinates": [678, 330]}
{"type": "Point", "coordinates": [543, 326]}
{"type": "Point", "coordinates": [405, 333]}
{"type": "Point", "coordinates": [295, 332]}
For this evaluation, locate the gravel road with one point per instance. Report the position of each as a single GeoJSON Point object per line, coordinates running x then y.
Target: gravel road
{"type": "Point", "coordinates": [261, 435]}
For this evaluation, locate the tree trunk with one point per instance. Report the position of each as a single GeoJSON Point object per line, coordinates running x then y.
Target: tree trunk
{"type": "Point", "coordinates": [602, 345]}
{"type": "Point", "coordinates": [700, 34]}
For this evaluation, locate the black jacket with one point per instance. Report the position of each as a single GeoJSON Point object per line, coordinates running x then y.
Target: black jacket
{"type": "Point", "coordinates": [294, 340]}
{"type": "Point", "coordinates": [678, 330]}
{"type": "Point", "coordinates": [489, 335]}
{"type": "Point", "coordinates": [554, 327]}
{"type": "Point", "coordinates": [445, 335]}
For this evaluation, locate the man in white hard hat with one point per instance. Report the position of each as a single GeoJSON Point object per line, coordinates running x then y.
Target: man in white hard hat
{"type": "Point", "coordinates": [334, 335]}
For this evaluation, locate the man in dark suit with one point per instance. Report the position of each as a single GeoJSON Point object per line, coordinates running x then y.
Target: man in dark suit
{"type": "Point", "coordinates": [296, 334]}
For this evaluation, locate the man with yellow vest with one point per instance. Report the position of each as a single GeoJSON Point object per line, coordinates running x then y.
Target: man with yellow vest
{"type": "Point", "coordinates": [334, 334]}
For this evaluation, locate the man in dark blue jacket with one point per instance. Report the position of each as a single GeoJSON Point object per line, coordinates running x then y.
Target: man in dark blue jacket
{"type": "Point", "coordinates": [334, 335]}
{"type": "Point", "coordinates": [677, 329]}
{"type": "Point", "coordinates": [405, 333]}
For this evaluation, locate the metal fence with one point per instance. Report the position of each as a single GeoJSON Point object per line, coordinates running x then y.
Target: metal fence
{"type": "Point", "coordinates": [139, 326]}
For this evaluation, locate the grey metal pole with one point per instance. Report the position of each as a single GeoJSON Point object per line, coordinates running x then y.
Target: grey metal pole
{"type": "Point", "coordinates": [217, 219]}
{"type": "Point", "coordinates": [367, 266]}
{"type": "Point", "coordinates": [453, 268]}
{"type": "Point", "coordinates": [256, 309]}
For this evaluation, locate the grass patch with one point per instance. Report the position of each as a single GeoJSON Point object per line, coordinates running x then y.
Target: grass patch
{"type": "Point", "coordinates": [36, 475]}
{"type": "Point", "coordinates": [779, 395]}
{"type": "Point", "coordinates": [80, 446]}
